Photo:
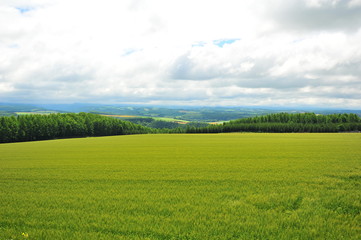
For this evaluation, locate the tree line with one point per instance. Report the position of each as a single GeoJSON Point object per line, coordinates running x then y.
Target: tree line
{"type": "Point", "coordinates": [161, 124]}
{"type": "Point", "coordinates": [34, 127]}
{"type": "Point", "coordinates": [286, 122]}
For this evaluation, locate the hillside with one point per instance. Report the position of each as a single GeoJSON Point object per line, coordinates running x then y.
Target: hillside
{"type": "Point", "coordinates": [183, 186]}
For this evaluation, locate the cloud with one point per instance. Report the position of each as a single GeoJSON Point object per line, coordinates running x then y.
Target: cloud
{"type": "Point", "coordinates": [314, 15]}
{"type": "Point", "coordinates": [182, 52]}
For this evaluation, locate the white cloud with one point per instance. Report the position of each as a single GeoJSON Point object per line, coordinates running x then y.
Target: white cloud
{"type": "Point", "coordinates": [320, 3]}
{"type": "Point", "coordinates": [181, 52]}
{"type": "Point", "coordinates": [354, 3]}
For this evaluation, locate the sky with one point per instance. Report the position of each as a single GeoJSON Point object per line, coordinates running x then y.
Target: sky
{"type": "Point", "coordinates": [182, 52]}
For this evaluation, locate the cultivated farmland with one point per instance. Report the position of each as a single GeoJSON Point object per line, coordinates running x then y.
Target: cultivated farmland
{"type": "Point", "coordinates": [185, 186]}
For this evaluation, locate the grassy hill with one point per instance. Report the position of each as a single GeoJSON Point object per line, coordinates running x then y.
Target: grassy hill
{"type": "Point", "coordinates": [184, 186]}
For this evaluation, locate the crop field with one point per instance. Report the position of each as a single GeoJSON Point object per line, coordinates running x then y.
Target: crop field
{"type": "Point", "coordinates": [35, 112]}
{"type": "Point", "coordinates": [186, 186]}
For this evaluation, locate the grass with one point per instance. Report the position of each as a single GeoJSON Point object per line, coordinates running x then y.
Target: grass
{"type": "Point", "coordinates": [121, 116]}
{"type": "Point", "coordinates": [170, 119]}
{"type": "Point", "coordinates": [222, 186]}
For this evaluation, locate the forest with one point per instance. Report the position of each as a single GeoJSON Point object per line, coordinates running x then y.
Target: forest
{"type": "Point", "coordinates": [34, 127]}
{"type": "Point", "coordinates": [161, 124]}
{"type": "Point", "coordinates": [287, 122]}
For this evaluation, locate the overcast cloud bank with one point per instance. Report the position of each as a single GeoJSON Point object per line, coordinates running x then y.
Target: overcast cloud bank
{"type": "Point", "coordinates": [229, 52]}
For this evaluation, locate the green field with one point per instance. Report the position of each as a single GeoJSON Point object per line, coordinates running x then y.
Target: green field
{"type": "Point", "coordinates": [35, 112]}
{"type": "Point", "coordinates": [186, 186]}
{"type": "Point", "coordinates": [170, 119]}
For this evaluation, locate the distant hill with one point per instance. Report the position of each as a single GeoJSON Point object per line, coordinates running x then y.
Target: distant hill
{"type": "Point", "coordinates": [179, 113]}
{"type": "Point", "coordinates": [14, 109]}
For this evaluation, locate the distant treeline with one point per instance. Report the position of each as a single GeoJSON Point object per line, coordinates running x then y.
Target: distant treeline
{"type": "Point", "coordinates": [160, 124]}
{"type": "Point", "coordinates": [286, 122]}
{"type": "Point", "coordinates": [41, 127]}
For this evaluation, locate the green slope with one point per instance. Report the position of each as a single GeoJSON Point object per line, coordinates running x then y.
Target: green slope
{"type": "Point", "coordinates": [186, 186]}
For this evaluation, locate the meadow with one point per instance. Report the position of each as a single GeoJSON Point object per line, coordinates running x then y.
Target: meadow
{"type": "Point", "coordinates": [183, 186]}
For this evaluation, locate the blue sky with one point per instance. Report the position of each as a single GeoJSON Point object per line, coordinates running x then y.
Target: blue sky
{"type": "Point", "coordinates": [24, 9]}
{"type": "Point", "coordinates": [215, 52]}
{"type": "Point", "coordinates": [222, 42]}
